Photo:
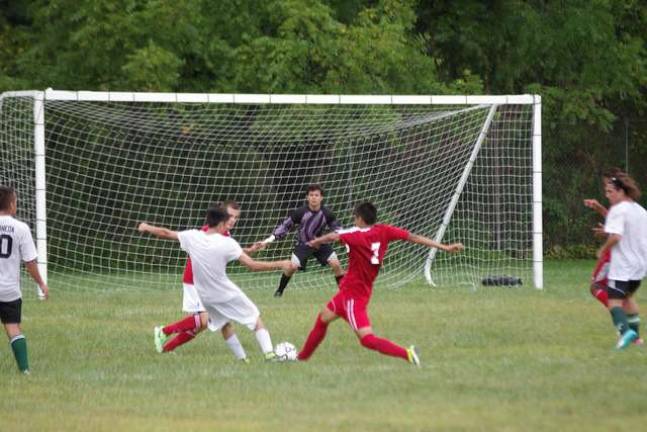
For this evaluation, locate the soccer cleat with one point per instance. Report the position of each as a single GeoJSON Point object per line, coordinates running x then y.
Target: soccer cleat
{"type": "Point", "coordinates": [278, 292]}
{"type": "Point", "coordinates": [626, 339]}
{"type": "Point", "coordinates": [412, 356]}
{"type": "Point", "coordinates": [639, 341]}
{"type": "Point", "coordinates": [244, 360]}
{"type": "Point", "coordinates": [160, 339]}
{"type": "Point", "coordinates": [271, 357]}
{"type": "Point", "coordinates": [26, 372]}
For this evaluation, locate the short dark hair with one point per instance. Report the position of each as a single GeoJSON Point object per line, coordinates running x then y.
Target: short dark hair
{"type": "Point", "coordinates": [230, 203]}
{"type": "Point", "coordinates": [216, 215]}
{"type": "Point", "coordinates": [314, 187]}
{"type": "Point", "coordinates": [367, 212]}
{"type": "Point", "coordinates": [7, 195]}
{"type": "Point", "coordinates": [227, 203]}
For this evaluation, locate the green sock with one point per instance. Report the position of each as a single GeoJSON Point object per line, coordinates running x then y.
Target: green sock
{"type": "Point", "coordinates": [619, 318]}
{"type": "Point", "coordinates": [19, 347]}
{"type": "Point", "coordinates": [634, 322]}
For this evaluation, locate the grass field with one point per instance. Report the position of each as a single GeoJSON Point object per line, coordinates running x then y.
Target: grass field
{"type": "Point", "coordinates": [495, 359]}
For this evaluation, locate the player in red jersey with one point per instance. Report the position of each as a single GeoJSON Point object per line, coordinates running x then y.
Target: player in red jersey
{"type": "Point", "coordinates": [192, 305]}
{"type": "Point", "coordinates": [367, 244]}
{"type": "Point", "coordinates": [599, 277]}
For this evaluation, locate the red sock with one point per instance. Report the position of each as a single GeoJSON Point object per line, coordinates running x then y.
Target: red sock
{"type": "Point", "coordinates": [384, 346]}
{"type": "Point", "coordinates": [180, 339]}
{"type": "Point", "coordinates": [317, 334]}
{"type": "Point", "coordinates": [190, 323]}
{"type": "Point", "coordinates": [602, 296]}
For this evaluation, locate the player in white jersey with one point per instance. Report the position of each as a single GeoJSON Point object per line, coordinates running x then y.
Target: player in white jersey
{"type": "Point", "coordinates": [626, 227]}
{"type": "Point", "coordinates": [16, 245]}
{"type": "Point", "coordinates": [223, 300]}
{"type": "Point", "coordinates": [192, 305]}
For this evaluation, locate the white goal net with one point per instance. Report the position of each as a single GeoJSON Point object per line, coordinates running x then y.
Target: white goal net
{"type": "Point", "coordinates": [452, 169]}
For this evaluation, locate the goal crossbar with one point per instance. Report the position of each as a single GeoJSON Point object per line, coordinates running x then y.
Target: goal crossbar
{"type": "Point", "coordinates": [241, 98]}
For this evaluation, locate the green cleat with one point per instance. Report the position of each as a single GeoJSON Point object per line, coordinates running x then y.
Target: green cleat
{"type": "Point", "coordinates": [271, 357]}
{"type": "Point", "coordinates": [412, 356]}
{"type": "Point", "coordinates": [160, 339]}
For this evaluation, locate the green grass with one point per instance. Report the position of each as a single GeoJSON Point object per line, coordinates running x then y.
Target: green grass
{"type": "Point", "coordinates": [495, 359]}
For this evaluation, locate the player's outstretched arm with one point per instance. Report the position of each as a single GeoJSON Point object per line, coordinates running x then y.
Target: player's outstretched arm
{"type": "Point", "coordinates": [32, 269]}
{"type": "Point", "coordinates": [253, 265]}
{"type": "Point", "coordinates": [285, 226]}
{"type": "Point", "coordinates": [160, 232]}
{"type": "Point", "coordinates": [451, 248]}
{"type": "Point", "coordinates": [594, 205]}
{"type": "Point", "coordinates": [328, 238]}
{"type": "Point", "coordinates": [259, 245]}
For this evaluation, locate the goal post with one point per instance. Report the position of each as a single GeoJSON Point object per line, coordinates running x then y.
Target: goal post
{"type": "Point", "coordinates": [89, 165]}
{"type": "Point", "coordinates": [537, 223]}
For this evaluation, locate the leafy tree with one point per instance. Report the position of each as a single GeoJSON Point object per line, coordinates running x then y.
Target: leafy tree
{"type": "Point", "coordinates": [586, 58]}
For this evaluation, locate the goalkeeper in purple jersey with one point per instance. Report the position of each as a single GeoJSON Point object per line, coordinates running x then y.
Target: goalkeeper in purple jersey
{"type": "Point", "coordinates": [312, 219]}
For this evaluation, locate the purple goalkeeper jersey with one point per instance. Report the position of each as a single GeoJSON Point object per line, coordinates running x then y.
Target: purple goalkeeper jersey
{"type": "Point", "coordinates": [311, 223]}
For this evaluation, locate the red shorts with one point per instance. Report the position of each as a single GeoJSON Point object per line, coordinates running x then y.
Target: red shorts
{"type": "Point", "coordinates": [351, 309]}
{"type": "Point", "coordinates": [601, 270]}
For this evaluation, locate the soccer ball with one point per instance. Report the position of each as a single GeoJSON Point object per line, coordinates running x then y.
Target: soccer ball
{"type": "Point", "coordinates": [285, 351]}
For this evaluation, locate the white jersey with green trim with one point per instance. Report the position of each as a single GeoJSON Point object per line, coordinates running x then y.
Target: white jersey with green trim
{"type": "Point", "coordinates": [16, 245]}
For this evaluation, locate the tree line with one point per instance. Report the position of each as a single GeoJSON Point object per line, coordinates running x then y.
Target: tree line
{"type": "Point", "coordinates": [586, 58]}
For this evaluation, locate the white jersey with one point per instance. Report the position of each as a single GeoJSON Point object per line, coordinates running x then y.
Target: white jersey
{"type": "Point", "coordinates": [16, 245]}
{"type": "Point", "coordinates": [629, 256]}
{"type": "Point", "coordinates": [210, 254]}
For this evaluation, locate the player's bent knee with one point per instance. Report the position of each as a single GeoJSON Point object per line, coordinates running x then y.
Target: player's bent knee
{"type": "Point", "coordinates": [327, 315]}
{"type": "Point", "coordinates": [258, 325]}
{"type": "Point", "coordinates": [593, 290]}
{"type": "Point", "coordinates": [12, 330]}
{"type": "Point", "coordinates": [363, 332]}
{"type": "Point", "coordinates": [204, 320]}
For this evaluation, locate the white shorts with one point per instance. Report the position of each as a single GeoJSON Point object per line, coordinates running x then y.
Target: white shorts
{"type": "Point", "coordinates": [191, 303]}
{"type": "Point", "coordinates": [239, 309]}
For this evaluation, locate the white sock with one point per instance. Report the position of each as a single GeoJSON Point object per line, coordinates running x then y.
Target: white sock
{"type": "Point", "coordinates": [264, 340]}
{"type": "Point", "coordinates": [236, 347]}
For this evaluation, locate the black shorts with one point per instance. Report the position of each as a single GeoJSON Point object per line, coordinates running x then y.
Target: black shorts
{"type": "Point", "coordinates": [11, 312]}
{"type": "Point", "coordinates": [303, 252]}
{"type": "Point", "coordinates": [620, 290]}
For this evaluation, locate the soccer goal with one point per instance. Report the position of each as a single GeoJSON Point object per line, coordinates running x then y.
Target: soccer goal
{"type": "Point", "coordinates": [88, 166]}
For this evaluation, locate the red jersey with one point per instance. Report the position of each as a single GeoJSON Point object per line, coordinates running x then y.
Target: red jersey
{"type": "Point", "coordinates": [601, 271]}
{"type": "Point", "coordinates": [366, 249]}
{"type": "Point", "coordinates": [187, 277]}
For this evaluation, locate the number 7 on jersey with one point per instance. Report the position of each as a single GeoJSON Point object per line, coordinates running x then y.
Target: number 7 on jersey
{"type": "Point", "coordinates": [375, 247]}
